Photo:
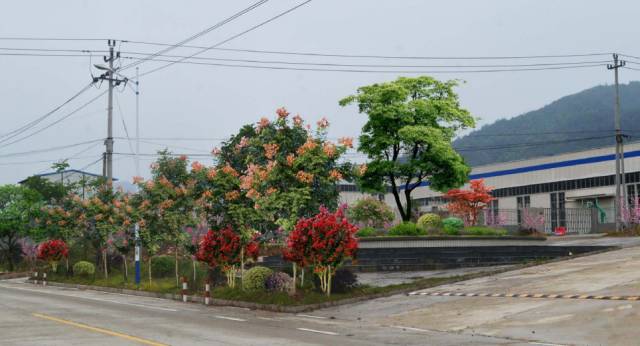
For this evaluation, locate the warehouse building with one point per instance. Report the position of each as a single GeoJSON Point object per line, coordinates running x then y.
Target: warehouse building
{"type": "Point", "coordinates": [573, 190]}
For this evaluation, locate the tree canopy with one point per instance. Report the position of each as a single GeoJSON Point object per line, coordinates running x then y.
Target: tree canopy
{"type": "Point", "coordinates": [407, 137]}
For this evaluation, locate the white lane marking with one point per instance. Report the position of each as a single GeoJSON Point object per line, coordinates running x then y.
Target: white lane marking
{"type": "Point", "coordinates": [545, 344]}
{"type": "Point", "coordinates": [317, 331]}
{"type": "Point", "coordinates": [230, 318]}
{"type": "Point", "coordinates": [311, 316]}
{"type": "Point", "coordinates": [266, 318]}
{"type": "Point", "coordinates": [88, 298]}
{"type": "Point", "coordinates": [413, 329]}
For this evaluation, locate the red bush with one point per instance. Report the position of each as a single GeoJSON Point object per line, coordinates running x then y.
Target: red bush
{"type": "Point", "coordinates": [323, 240]}
{"type": "Point", "coordinates": [52, 250]}
{"type": "Point", "coordinates": [220, 248]}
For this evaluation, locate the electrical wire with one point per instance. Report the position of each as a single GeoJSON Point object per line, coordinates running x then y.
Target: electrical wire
{"type": "Point", "coordinates": [55, 122]}
{"type": "Point", "coordinates": [233, 37]}
{"type": "Point", "coordinates": [33, 123]}
{"type": "Point", "coordinates": [370, 56]}
{"type": "Point", "coordinates": [45, 150]}
{"type": "Point", "coordinates": [282, 62]}
{"type": "Point", "coordinates": [182, 61]}
{"type": "Point", "coordinates": [201, 33]}
{"type": "Point", "coordinates": [524, 145]}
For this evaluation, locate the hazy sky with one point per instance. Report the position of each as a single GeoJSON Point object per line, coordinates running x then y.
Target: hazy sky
{"type": "Point", "coordinates": [213, 102]}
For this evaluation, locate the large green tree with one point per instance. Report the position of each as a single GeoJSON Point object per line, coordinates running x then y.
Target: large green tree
{"type": "Point", "coordinates": [18, 205]}
{"type": "Point", "coordinates": [407, 137]}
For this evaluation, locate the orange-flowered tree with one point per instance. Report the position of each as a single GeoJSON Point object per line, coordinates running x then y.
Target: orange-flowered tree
{"type": "Point", "coordinates": [468, 203]}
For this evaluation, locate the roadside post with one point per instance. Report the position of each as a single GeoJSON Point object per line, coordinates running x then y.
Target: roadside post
{"type": "Point", "coordinates": [44, 279]}
{"type": "Point", "coordinates": [184, 289]}
{"type": "Point", "coordinates": [35, 280]}
{"type": "Point", "coordinates": [207, 292]}
{"type": "Point", "coordinates": [137, 255]}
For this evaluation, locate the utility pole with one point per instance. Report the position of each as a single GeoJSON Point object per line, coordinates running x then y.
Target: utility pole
{"type": "Point", "coordinates": [137, 123]}
{"type": "Point", "coordinates": [113, 81]}
{"type": "Point", "coordinates": [620, 202]}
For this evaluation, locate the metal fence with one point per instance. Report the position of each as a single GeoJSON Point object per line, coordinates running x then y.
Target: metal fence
{"type": "Point", "coordinates": [547, 220]}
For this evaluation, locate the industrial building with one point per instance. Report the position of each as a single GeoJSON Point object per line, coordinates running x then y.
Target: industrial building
{"type": "Point", "coordinates": [574, 190]}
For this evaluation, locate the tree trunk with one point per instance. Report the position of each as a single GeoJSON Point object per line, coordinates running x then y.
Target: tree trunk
{"type": "Point", "coordinates": [396, 197]}
{"type": "Point", "coordinates": [242, 267]}
{"type": "Point", "coordinates": [194, 271]}
{"type": "Point", "coordinates": [177, 276]}
{"type": "Point", "coordinates": [294, 278]}
{"type": "Point", "coordinates": [126, 270]}
{"type": "Point", "coordinates": [407, 196]}
{"type": "Point", "coordinates": [104, 262]}
{"type": "Point", "coordinates": [149, 271]}
{"type": "Point", "coordinates": [302, 277]}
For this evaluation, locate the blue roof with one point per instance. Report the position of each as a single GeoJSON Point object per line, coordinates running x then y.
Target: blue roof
{"type": "Point", "coordinates": [545, 166]}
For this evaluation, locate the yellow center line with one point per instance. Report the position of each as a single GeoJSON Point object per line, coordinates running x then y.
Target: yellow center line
{"type": "Point", "coordinates": [99, 330]}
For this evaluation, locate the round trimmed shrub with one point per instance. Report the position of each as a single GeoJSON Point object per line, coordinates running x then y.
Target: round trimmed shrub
{"type": "Point", "coordinates": [278, 282]}
{"type": "Point", "coordinates": [366, 232]}
{"type": "Point", "coordinates": [254, 279]}
{"type": "Point", "coordinates": [429, 221]}
{"type": "Point", "coordinates": [162, 266]}
{"type": "Point", "coordinates": [84, 268]}
{"type": "Point", "coordinates": [406, 229]}
{"type": "Point", "coordinates": [452, 225]}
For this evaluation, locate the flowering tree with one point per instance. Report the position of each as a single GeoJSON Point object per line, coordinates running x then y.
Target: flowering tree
{"type": "Point", "coordinates": [274, 172]}
{"type": "Point", "coordinates": [468, 203]}
{"type": "Point", "coordinates": [166, 205]}
{"type": "Point", "coordinates": [532, 221]}
{"type": "Point", "coordinates": [52, 251]}
{"type": "Point", "coordinates": [325, 241]}
{"type": "Point", "coordinates": [223, 248]}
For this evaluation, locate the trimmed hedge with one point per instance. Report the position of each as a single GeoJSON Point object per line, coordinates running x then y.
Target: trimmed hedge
{"type": "Point", "coordinates": [254, 279]}
{"type": "Point", "coordinates": [84, 268]}
{"type": "Point", "coordinates": [407, 229]}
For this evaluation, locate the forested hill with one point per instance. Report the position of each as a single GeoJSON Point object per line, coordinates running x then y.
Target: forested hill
{"type": "Point", "coordinates": [575, 122]}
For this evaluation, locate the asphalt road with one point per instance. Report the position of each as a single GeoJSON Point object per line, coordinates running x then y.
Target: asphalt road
{"type": "Point", "coordinates": [36, 315]}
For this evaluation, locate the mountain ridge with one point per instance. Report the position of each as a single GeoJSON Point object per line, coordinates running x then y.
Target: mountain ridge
{"type": "Point", "coordinates": [579, 121]}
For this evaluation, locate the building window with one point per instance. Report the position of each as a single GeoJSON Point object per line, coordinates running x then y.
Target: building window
{"type": "Point", "coordinates": [524, 202]}
{"type": "Point", "coordinates": [558, 212]}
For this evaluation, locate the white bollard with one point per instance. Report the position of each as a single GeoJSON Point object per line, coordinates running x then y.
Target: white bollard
{"type": "Point", "coordinates": [184, 289]}
{"type": "Point", "coordinates": [44, 279]}
{"type": "Point", "coordinates": [35, 275]}
{"type": "Point", "coordinates": [207, 293]}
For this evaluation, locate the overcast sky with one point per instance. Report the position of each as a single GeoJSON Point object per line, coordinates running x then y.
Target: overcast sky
{"type": "Point", "coordinates": [213, 101]}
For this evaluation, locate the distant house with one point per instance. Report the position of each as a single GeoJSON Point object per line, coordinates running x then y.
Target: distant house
{"type": "Point", "coordinates": [70, 176]}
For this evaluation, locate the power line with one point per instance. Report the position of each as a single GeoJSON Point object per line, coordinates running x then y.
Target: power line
{"type": "Point", "coordinates": [45, 150]}
{"type": "Point", "coordinates": [55, 122]}
{"type": "Point", "coordinates": [282, 62]}
{"type": "Point", "coordinates": [33, 123]}
{"type": "Point", "coordinates": [170, 63]}
{"type": "Point", "coordinates": [201, 33]}
{"type": "Point", "coordinates": [524, 145]}
{"type": "Point", "coordinates": [50, 39]}
{"type": "Point", "coordinates": [366, 70]}
{"type": "Point", "coordinates": [38, 161]}
{"type": "Point", "coordinates": [373, 56]}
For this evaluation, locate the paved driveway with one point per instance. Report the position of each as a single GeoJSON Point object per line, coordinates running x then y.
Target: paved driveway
{"type": "Point", "coordinates": [582, 311]}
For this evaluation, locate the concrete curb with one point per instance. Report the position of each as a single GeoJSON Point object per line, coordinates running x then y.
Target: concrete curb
{"type": "Point", "coordinates": [311, 307]}
{"type": "Point", "coordinates": [8, 276]}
